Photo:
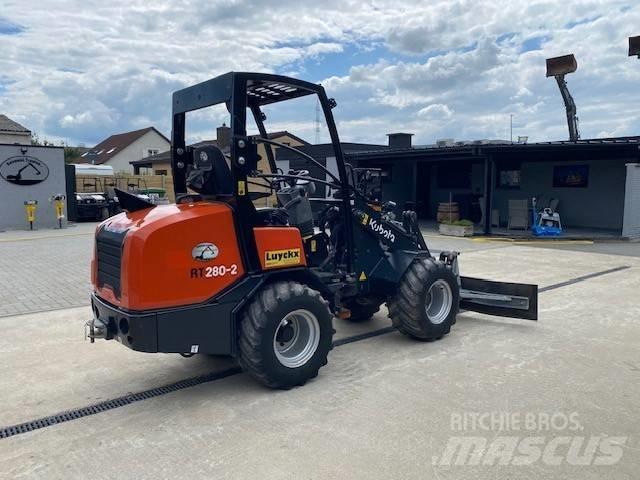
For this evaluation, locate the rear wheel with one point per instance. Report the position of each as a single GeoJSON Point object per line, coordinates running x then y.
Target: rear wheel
{"type": "Point", "coordinates": [286, 335]}
{"type": "Point", "coordinates": [426, 303]}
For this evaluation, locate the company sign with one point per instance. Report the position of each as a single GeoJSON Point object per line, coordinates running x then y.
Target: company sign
{"type": "Point", "coordinates": [24, 170]}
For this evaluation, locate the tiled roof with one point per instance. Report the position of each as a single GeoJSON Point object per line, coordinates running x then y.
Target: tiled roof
{"type": "Point", "coordinates": [116, 143]}
{"type": "Point", "coordinates": [8, 125]}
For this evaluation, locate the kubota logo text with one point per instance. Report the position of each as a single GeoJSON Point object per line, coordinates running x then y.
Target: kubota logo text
{"type": "Point", "coordinates": [380, 230]}
{"type": "Point", "coordinates": [280, 258]}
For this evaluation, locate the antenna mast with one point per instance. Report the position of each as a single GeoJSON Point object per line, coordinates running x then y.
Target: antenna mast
{"type": "Point", "coordinates": [317, 126]}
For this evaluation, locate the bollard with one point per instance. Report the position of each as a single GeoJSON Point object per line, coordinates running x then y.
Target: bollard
{"type": "Point", "coordinates": [58, 203]}
{"type": "Point", "coordinates": [30, 207]}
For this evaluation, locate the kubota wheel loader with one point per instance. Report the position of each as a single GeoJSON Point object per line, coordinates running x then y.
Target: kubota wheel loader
{"type": "Point", "coordinates": [213, 274]}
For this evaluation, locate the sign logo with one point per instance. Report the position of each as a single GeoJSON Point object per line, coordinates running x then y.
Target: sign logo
{"type": "Point", "coordinates": [281, 258]}
{"type": "Point", "coordinates": [204, 252]}
{"type": "Point", "coordinates": [24, 170]}
{"type": "Point", "coordinates": [381, 230]}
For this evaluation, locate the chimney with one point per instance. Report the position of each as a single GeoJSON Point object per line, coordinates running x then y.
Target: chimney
{"type": "Point", "coordinates": [400, 140]}
{"type": "Point", "coordinates": [223, 136]}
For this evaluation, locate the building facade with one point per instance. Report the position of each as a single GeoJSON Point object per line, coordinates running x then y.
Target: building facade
{"type": "Point", "coordinates": [585, 179]}
{"type": "Point", "coordinates": [120, 150]}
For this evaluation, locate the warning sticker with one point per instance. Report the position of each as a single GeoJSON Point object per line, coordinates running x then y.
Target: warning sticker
{"type": "Point", "coordinates": [281, 258]}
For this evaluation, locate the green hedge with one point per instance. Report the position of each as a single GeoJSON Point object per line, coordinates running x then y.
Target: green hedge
{"type": "Point", "coordinates": [460, 223]}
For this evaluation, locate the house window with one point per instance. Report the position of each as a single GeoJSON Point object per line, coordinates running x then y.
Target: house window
{"type": "Point", "coordinates": [161, 172]}
{"type": "Point", "coordinates": [152, 151]}
{"type": "Point", "coordinates": [573, 176]}
{"type": "Point", "coordinates": [509, 178]}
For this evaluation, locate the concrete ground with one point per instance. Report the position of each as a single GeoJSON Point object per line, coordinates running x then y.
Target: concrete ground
{"type": "Point", "coordinates": [384, 407]}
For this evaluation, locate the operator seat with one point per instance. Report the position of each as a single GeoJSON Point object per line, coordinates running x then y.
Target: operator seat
{"type": "Point", "coordinates": [209, 175]}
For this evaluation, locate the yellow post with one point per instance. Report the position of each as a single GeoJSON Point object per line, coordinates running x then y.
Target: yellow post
{"type": "Point", "coordinates": [30, 207]}
{"type": "Point", "coordinates": [58, 203]}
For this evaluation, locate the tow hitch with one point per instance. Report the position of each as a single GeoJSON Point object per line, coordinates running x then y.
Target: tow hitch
{"type": "Point", "coordinates": [95, 328]}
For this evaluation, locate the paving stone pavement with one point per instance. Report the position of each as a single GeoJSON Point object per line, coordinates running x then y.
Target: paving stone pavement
{"type": "Point", "coordinates": [45, 273]}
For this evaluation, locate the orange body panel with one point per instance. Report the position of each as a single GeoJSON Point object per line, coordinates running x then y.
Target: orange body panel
{"type": "Point", "coordinates": [279, 247]}
{"type": "Point", "coordinates": [158, 267]}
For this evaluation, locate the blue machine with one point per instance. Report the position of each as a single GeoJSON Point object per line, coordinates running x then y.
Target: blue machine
{"type": "Point", "coordinates": [546, 223]}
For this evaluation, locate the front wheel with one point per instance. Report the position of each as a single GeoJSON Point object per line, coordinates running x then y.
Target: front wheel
{"type": "Point", "coordinates": [286, 335]}
{"type": "Point", "coordinates": [426, 303]}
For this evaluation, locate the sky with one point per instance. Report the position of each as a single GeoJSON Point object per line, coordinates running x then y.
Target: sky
{"type": "Point", "coordinates": [80, 70]}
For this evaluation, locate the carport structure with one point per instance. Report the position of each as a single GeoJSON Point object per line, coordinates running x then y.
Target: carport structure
{"type": "Point", "coordinates": [587, 177]}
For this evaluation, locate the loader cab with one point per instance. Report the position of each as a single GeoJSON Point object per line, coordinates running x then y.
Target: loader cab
{"type": "Point", "coordinates": [230, 172]}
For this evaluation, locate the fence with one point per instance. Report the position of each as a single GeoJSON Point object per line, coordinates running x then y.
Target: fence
{"type": "Point", "coordinates": [92, 183]}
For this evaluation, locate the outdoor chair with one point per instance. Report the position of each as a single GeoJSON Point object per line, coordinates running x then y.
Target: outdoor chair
{"type": "Point", "coordinates": [518, 214]}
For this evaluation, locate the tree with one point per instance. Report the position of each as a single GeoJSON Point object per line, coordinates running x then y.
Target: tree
{"type": "Point", "coordinates": [71, 154]}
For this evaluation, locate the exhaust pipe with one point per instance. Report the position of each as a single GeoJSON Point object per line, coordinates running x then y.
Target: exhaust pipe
{"type": "Point", "coordinates": [558, 67]}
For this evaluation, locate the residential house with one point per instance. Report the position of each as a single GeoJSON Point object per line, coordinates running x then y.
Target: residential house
{"type": "Point", "coordinates": [12, 132]}
{"type": "Point", "coordinates": [120, 150]}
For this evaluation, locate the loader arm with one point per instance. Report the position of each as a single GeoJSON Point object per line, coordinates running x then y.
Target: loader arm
{"type": "Point", "coordinates": [570, 107]}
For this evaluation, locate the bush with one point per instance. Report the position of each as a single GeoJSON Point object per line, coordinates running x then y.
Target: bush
{"type": "Point", "coordinates": [459, 223]}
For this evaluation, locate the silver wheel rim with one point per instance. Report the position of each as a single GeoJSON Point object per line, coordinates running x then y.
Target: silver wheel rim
{"type": "Point", "coordinates": [296, 339]}
{"type": "Point", "coordinates": [438, 302]}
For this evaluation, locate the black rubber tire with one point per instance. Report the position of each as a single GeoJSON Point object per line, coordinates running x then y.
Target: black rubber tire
{"type": "Point", "coordinates": [259, 323]}
{"type": "Point", "coordinates": [407, 307]}
{"type": "Point", "coordinates": [362, 309]}
{"type": "Point", "coordinates": [103, 214]}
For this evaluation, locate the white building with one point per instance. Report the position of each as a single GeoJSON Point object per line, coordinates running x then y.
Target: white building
{"type": "Point", "coordinates": [119, 150]}
{"type": "Point", "coordinates": [12, 132]}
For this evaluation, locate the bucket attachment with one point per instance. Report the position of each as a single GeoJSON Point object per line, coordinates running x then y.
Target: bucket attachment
{"type": "Point", "coordinates": [561, 65]}
{"type": "Point", "coordinates": [634, 46]}
{"type": "Point", "coordinates": [516, 300]}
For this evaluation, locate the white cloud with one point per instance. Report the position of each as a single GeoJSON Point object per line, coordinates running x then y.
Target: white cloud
{"type": "Point", "coordinates": [436, 110]}
{"type": "Point", "coordinates": [82, 70]}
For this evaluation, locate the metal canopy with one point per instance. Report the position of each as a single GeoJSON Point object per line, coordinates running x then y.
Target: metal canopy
{"type": "Point", "coordinates": [266, 92]}
{"type": "Point", "coordinates": [261, 89]}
